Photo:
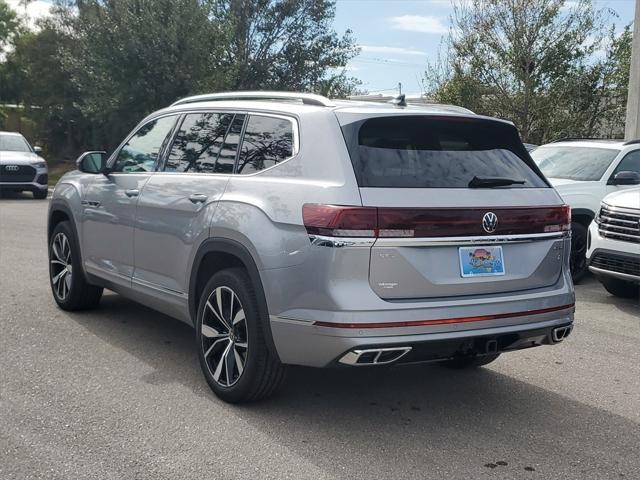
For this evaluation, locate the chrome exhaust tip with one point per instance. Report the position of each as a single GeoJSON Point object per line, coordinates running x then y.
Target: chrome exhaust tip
{"type": "Point", "coordinates": [560, 333]}
{"type": "Point", "coordinates": [374, 356]}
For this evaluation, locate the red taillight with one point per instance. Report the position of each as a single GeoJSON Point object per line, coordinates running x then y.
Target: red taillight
{"type": "Point", "coordinates": [560, 220]}
{"type": "Point", "coordinates": [341, 221]}
{"type": "Point", "coordinates": [337, 221]}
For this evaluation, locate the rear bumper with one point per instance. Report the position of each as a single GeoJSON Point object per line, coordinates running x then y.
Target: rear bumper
{"type": "Point", "coordinates": [325, 306]}
{"type": "Point", "coordinates": [310, 344]}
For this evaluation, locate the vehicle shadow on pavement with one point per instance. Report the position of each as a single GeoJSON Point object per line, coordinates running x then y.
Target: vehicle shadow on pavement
{"type": "Point", "coordinates": [9, 195]}
{"type": "Point", "coordinates": [595, 292]}
{"type": "Point", "coordinates": [373, 419]}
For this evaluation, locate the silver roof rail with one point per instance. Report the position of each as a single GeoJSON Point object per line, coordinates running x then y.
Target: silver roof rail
{"type": "Point", "coordinates": [305, 98]}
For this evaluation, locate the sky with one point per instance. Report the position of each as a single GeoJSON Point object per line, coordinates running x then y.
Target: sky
{"type": "Point", "coordinates": [396, 37]}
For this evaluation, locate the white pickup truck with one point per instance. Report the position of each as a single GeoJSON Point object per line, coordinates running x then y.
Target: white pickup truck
{"type": "Point", "coordinates": [584, 172]}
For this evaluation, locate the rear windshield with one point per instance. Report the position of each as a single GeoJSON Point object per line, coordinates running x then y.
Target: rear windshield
{"type": "Point", "coordinates": [574, 163]}
{"type": "Point", "coordinates": [436, 152]}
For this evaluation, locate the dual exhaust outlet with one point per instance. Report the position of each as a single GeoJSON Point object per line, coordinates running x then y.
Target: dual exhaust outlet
{"type": "Point", "coordinates": [374, 356]}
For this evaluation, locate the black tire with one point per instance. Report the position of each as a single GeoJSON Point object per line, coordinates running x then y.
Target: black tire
{"type": "Point", "coordinates": [261, 373]}
{"type": "Point", "coordinates": [578, 261]}
{"type": "Point", "coordinates": [40, 194]}
{"type": "Point", "coordinates": [76, 293]}
{"type": "Point", "coordinates": [621, 288]}
{"type": "Point", "coordinates": [471, 361]}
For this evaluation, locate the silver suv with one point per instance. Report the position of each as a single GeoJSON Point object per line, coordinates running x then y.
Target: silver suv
{"type": "Point", "coordinates": [290, 229]}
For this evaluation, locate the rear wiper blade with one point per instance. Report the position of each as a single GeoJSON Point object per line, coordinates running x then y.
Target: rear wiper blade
{"type": "Point", "coordinates": [488, 182]}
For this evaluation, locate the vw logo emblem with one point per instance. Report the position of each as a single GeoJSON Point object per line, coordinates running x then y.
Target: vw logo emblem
{"type": "Point", "coordinates": [12, 168]}
{"type": "Point", "coordinates": [489, 222]}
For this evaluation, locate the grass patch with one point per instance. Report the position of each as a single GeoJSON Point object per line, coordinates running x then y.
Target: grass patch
{"type": "Point", "coordinates": [58, 170]}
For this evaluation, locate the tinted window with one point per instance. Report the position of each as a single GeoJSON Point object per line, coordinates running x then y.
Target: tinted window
{"type": "Point", "coordinates": [427, 152]}
{"type": "Point", "coordinates": [267, 141]}
{"type": "Point", "coordinates": [14, 143]}
{"type": "Point", "coordinates": [227, 156]}
{"type": "Point", "coordinates": [630, 163]}
{"type": "Point", "coordinates": [574, 163]}
{"type": "Point", "coordinates": [141, 151]}
{"type": "Point", "coordinates": [198, 142]}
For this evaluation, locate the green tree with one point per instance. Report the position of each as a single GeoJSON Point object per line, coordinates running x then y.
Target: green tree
{"type": "Point", "coordinates": [127, 58]}
{"type": "Point", "coordinates": [93, 69]}
{"type": "Point", "coordinates": [36, 79]}
{"type": "Point", "coordinates": [534, 62]}
{"type": "Point", "coordinates": [615, 81]}
{"type": "Point", "coordinates": [9, 29]}
{"type": "Point", "coordinates": [285, 45]}
{"type": "Point", "coordinates": [9, 25]}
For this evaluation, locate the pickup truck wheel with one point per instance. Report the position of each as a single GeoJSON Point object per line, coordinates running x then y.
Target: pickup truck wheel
{"type": "Point", "coordinates": [620, 288]}
{"type": "Point", "coordinates": [233, 353]}
{"type": "Point", "coordinates": [578, 259]}
{"type": "Point", "coordinates": [71, 291]}
{"type": "Point", "coordinates": [470, 361]}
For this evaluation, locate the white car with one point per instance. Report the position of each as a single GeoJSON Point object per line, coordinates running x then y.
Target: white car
{"type": "Point", "coordinates": [584, 172]}
{"type": "Point", "coordinates": [21, 166]}
{"type": "Point", "coordinates": [613, 251]}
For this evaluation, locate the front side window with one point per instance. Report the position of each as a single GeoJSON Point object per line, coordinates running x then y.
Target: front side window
{"type": "Point", "coordinates": [267, 141]}
{"type": "Point", "coordinates": [141, 152]}
{"type": "Point", "coordinates": [198, 143]}
{"type": "Point", "coordinates": [574, 163]}
{"type": "Point", "coordinates": [630, 163]}
{"type": "Point", "coordinates": [14, 143]}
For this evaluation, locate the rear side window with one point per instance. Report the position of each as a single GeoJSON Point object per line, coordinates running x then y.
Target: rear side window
{"type": "Point", "coordinates": [436, 152]}
{"type": "Point", "coordinates": [198, 143]}
{"type": "Point", "coordinates": [267, 141]}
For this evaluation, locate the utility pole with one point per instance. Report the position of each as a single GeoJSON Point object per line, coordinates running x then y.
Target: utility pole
{"type": "Point", "coordinates": [632, 125]}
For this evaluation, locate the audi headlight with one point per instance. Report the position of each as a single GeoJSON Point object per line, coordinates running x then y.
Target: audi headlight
{"type": "Point", "coordinates": [40, 164]}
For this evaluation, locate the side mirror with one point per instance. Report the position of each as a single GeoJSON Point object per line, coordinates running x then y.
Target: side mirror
{"type": "Point", "coordinates": [37, 149]}
{"type": "Point", "coordinates": [92, 162]}
{"type": "Point", "coordinates": [626, 178]}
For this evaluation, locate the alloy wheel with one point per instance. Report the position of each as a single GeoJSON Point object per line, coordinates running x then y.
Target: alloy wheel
{"type": "Point", "coordinates": [224, 336]}
{"type": "Point", "coordinates": [61, 266]}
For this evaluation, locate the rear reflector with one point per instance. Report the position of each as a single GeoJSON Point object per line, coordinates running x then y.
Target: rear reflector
{"type": "Point", "coordinates": [445, 321]}
{"type": "Point", "coordinates": [342, 221]}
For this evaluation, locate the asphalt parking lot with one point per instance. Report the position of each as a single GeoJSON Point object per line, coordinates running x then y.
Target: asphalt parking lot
{"type": "Point", "coordinates": [117, 394]}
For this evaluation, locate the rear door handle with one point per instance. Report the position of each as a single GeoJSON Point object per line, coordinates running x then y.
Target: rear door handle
{"type": "Point", "coordinates": [198, 198]}
{"type": "Point", "coordinates": [132, 193]}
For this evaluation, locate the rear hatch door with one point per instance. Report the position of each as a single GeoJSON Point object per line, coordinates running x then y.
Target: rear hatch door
{"type": "Point", "coordinates": [461, 207]}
